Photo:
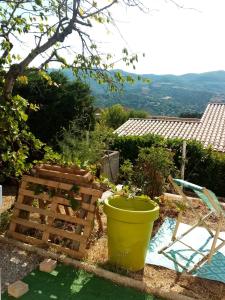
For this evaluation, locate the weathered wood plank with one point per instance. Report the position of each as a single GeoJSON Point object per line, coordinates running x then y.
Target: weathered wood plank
{"type": "Point", "coordinates": [50, 221]}
{"type": "Point", "coordinates": [59, 200]}
{"type": "Point", "coordinates": [76, 178]}
{"type": "Point", "coordinates": [50, 213]}
{"type": "Point", "coordinates": [63, 186]}
{"type": "Point", "coordinates": [25, 238]}
{"type": "Point", "coordinates": [29, 224]}
{"type": "Point", "coordinates": [72, 169]}
{"type": "Point", "coordinates": [43, 227]}
{"type": "Point", "coordinates": [43, 196]}
{"type": "Point", "coordinates": [16, 211]}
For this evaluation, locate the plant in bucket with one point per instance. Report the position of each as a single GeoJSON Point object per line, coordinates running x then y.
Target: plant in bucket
{"type": "Point", "coordinates": [130, 219]}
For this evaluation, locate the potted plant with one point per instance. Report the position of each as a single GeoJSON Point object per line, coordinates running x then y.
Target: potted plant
{"type": "Point", "coordinates": [130, 220]}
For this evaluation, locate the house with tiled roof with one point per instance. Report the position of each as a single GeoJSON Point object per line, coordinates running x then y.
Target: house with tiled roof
{"type": "Point", "coordinates": [209, 130]}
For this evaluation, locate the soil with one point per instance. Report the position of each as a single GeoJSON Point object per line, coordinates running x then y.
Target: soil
{"type": "Point", "coordinates": [15, 263]}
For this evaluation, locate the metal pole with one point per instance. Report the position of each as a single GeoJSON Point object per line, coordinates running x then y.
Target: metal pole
{"type": "Point", "coordinates": [183, 159]}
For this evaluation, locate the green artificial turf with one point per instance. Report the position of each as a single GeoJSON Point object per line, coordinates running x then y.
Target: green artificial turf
{"type": "Point", "coordinates": [66, 283]}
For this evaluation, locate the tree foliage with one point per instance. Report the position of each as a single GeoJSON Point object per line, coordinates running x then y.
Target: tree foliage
{"type": "Point", "coordinates": [152, 168]}
{"type": "Point", "coordinates": [116, 115]}
{"type": "Point", "coordinates": [85, 148]}
{"type": "Point", "coordinates": [46, 25]}
{"type": "Point", "coordinates": [59, 101]}
{"type": "Point", "coordinates": [40, 28]}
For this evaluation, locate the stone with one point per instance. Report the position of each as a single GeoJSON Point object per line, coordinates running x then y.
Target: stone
{"type": "Point", "coordinates": [48, 265]}
{"type": "Point", "coordinates": [18, 289]}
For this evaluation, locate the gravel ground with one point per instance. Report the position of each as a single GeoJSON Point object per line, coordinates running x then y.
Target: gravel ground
{"type": "Point", "coordinates": [15, 264]}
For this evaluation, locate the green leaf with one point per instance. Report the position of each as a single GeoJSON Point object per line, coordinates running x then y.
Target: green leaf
{"type": "Point", "coordinates": [75, 204]}
{"type": "Point", "coordinates": [75, 188]}
{"type": "Point", "coordinates": [38, 2]}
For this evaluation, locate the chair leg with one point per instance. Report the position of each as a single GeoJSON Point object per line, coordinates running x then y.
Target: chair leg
{"type": "Point", "coordinates": [177, 226]}
{"type": "Point", "coordinates": [215, 239]}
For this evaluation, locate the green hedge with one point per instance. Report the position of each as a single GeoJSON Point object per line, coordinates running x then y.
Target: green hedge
{"type": "Point", "coordinates": [203, 166]}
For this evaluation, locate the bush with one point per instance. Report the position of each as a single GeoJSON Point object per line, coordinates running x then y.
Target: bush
{"type": "Point", "coordinates": [152, 168]}
{"type": "Point", "coordinates": [59, 101]}
{"type": "Point", "coordinates": [116, 115]}
{"type": "Point", "coordinates": [126, 172]}
{"type": "Point", "coordinates": [203, 165]}
{"type": "Point", "coordinates": [84, 148]}
{"type": "Point", "coordinates": [5, 220]}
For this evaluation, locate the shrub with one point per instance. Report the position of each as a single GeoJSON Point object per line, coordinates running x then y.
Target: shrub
{"type": "Point", "coordinates": [82, 147]}
{"type": "Point", "coordinates": [203, 165]}
{"type": "Point", "coordinates": [5, 220]}
{"type": "Point", "coordinates": [126, 171]}
{"type": "Point", "coordinates": [151, 170]}
{"type": "Point", "coordinates": [59, 101]}
{"type": "Point", "coordinates": [116, 115]}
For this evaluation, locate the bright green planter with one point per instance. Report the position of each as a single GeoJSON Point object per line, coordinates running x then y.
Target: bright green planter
{"type": "Point", "coordinates": [129, 226]}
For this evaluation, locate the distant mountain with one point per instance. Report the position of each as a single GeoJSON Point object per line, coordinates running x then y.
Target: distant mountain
{"type": "Point", "coordinates": [166, 94]}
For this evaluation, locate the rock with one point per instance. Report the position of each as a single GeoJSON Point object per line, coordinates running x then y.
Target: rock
{"type": "Point", "coordinates": [18, 289]}
{"type": "Point", "coordinates": [48, 265]}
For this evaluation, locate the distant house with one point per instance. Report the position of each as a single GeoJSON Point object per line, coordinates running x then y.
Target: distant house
{"type": "Point", "coordinates": [209, 130]}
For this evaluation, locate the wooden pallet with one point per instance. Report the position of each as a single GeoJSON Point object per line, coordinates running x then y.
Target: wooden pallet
{"type": "Point", "coordinates": [49, 221]}
{"type": "Point", "coordinates": [64, 174]}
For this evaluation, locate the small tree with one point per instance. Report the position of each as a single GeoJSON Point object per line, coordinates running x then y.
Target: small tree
{"type": "Point", "coordinates": [84, 148]}
{"type": "Point", "coordinates": [116, 115]}
{"type": "Point", "coordinates": [46, 26]}
{"type": "Point", "coordinates": [153, 167]}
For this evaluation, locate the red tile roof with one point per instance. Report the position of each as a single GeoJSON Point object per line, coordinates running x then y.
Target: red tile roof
{"type": "Point", "coordinates": [209, 130]}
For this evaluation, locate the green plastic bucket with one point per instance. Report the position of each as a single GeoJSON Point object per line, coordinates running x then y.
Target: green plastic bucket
{"type": "Point", "coordinates": [129, 227]}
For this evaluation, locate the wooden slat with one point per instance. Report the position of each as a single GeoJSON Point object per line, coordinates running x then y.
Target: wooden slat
{"type": "Point", "coordinates": [44, 196]}
{"type": "Point", "coordinates": [43, 227]}
{"type": "Point", "coordinates": [76, 178]}
{"type": "Point", "coordinates": [25, 238]}
{"type": "Point", "coordinates": [66, 234]}
{"type": "Point", "coordinates": [61, 209]}
{"type": "Point", "coordinates": [50, 183]}
{"type": "Point", "coordinates": [71, 219]}
{"type": "Point", "coordinates": [88, 207]}
{"type": "Point", "coordinates": [72, 169]}
{"type": "Point", "coordinates": [50, 221]}
{"type": "Point", "coordinates": [63, 186]}
{"type": "Point", "coordinates": [59, 200]}
{"type": "Point", "coordinates": [33, 209]}
{"type": "Point", "coordinates": [29, 224]}
{"type": "Point", "coordinates": [87, 229]}
{"type": "Point", "coordinates": [69, 211]}
{"type": "Point", "coordinates": [12, 226]}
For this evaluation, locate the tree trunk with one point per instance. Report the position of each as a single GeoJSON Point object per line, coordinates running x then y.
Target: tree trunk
{"type": "Point", "coordinates": [10, 79]}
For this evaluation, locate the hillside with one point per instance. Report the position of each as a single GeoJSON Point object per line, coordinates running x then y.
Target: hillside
{"type": "Point", "coordinates": [166, 94]}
